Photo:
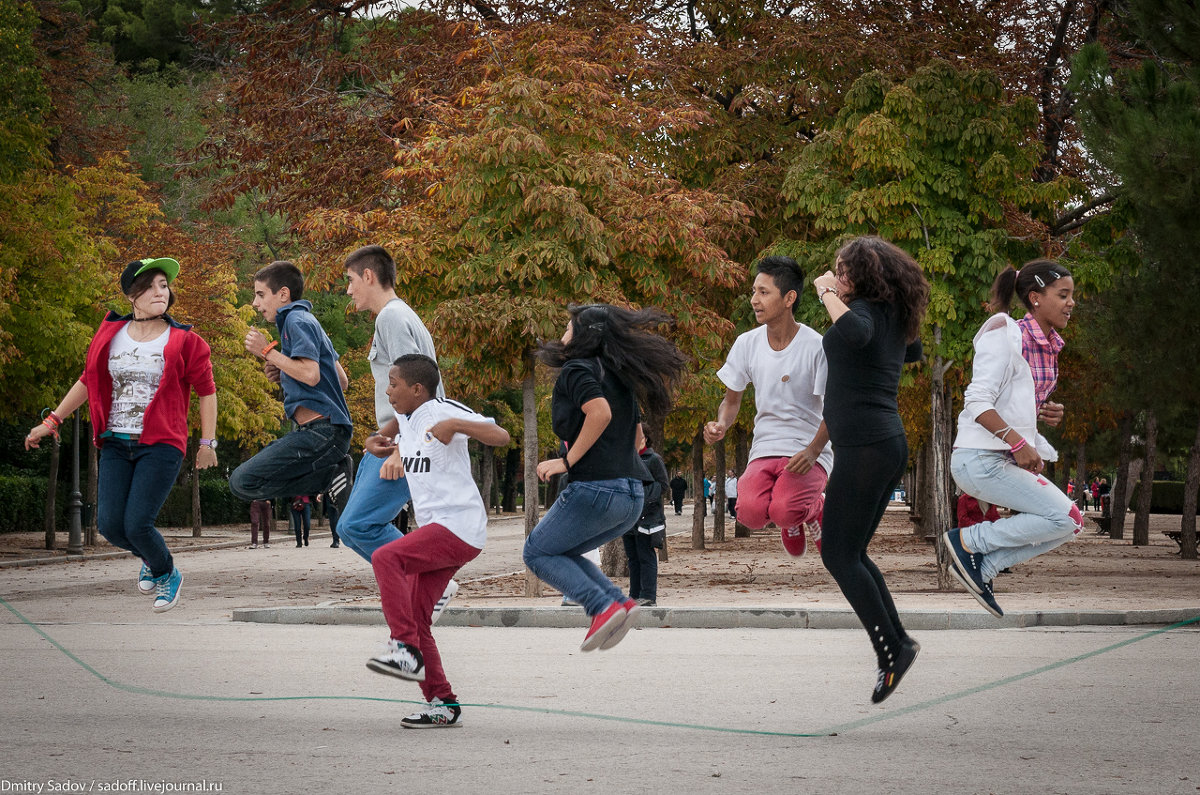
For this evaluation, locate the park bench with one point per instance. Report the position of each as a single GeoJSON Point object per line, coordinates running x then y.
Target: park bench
{"type": "Point", "coordinates": [1176, 536]}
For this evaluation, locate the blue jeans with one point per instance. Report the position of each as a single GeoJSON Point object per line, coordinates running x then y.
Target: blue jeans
{"type": "Point", "coordinates": [586, 515]}
{"type": "Point", "coordinates": [374, 503]}
{"type": "Point", "coordinates": [1047, 517]}
{"type": "Point", "coordinates": [133, 482]}
{"type": "Point", "coordinates": [301, 522]}
{"type": "Point", "coordinates": [302, 462]}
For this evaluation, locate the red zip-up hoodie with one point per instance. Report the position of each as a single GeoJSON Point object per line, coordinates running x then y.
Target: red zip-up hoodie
{"type": "Point", "coordinates": [186, 366]}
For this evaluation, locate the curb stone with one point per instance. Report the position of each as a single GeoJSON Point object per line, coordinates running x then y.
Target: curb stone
{"type": "Point", "coordinates": [723, 617]}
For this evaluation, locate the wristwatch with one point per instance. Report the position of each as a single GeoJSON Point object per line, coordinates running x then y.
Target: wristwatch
{"type": "Point", "coordinates": [210, 443]}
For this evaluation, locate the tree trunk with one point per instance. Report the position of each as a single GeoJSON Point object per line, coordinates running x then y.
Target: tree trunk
{"type": "Point", "coordinates": [1120, 486]}
{"type": "Point", "coordinates": [1187, 525]}
{"type": "Point", "coordinates": [719, 500]}
{"type": "Point", "coordinates": [487, 476]}
{"type": "Point", "coordinates": [529, 401]}
{"type": "Point", "coordinates": [1081, 478]}
{"type": "Point", "coordinates": [938, 517]}
{"type": "Point", "coordinates": [698, 490]}
{"type": "Point", "coordinates": [508, 489]}
{"type": "Point", "coordinates": [741, 459]}
{"type": "Point", "coordinates": [51, 492]}
{"type": "Point", "coordinates": [1141, 520]}
{"type": "Point", "coordinates": [93, 490]}
{"type": "Point", "coordinates": [197, 515]}
{"type": "Point", "coordinates": [612, 559]}
{"type": "Point", "coordinates": [916, 491]}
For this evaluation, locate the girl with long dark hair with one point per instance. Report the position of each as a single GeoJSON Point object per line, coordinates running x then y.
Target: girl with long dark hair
{"type": "Point", "coordinates": [876, 298]}
{"type": "Point", "coordinates": [998, 453]}
{"type": "Point", "coordinates": [610, 363]}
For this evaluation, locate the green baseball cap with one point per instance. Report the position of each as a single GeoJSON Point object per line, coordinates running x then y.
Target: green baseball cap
{"type": "Point", "coordinates": [136, 268]}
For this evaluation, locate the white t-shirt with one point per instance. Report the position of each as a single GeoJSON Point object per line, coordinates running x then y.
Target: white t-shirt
{"type": "Point", "coordinates": [398, 331]}
{"type": "Point", "coordinates": [136, 368]}
{"type": "Point", "coordinates": [789, 390]}
{"type": "Point", "coordinates": [439, 475]}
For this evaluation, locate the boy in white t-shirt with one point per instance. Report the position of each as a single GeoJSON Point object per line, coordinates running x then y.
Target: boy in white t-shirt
{"type": "Point", "coordinates": [790, 457]}
{"type": "Point", "coordinates": [412, 571]}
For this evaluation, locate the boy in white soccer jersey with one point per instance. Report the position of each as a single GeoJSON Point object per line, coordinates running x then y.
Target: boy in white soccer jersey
{"type": "Point", "coordinates": [790, 457]}
{"type": "Point", "coordinates": [412, 571]}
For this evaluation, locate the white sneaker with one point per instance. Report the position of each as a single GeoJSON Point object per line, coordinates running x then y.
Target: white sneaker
{"type": "Point", "coordinates": [447, 595]}
{"type": "Point", "coordinates": [399, 660]}
{"type": "Point", "coordinates": [438, 715]}
{"type": "Point", "coordinates": [146, 586]}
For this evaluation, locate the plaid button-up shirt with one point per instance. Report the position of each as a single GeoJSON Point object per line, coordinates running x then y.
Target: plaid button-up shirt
{"type": "Point", "coordinates": [1042, 355]}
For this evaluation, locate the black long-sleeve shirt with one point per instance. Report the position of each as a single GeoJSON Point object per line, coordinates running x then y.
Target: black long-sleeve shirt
{"type": "Point", "coordinates": [866, 349]}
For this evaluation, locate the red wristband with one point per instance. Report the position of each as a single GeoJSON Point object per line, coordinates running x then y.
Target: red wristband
{"type": "Point", "coordinates": [1014, 448]}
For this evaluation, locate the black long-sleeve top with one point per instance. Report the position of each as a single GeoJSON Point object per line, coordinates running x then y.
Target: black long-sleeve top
{"type": "Point", "coordinates": [866, 349]}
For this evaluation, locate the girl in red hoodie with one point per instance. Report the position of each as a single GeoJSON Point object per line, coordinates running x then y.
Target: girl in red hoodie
{"type": "Point", "coordinates": [137, 380]}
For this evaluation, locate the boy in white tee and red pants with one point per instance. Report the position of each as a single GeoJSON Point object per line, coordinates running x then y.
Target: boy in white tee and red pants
{"type": "Point", "coordinates": [412, 571]}
{"type": "Point", "coordinates": [790, 457]}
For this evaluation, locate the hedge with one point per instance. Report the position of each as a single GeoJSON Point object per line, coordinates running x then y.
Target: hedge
{"type": "Point", "coordinates": [23, 504]}
{"type": "Point", "coordinates": [1166, 496]}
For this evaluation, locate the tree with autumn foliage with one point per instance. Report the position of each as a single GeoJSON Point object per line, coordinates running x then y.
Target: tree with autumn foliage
{"type": "Point", "coordinates": [538, 190]}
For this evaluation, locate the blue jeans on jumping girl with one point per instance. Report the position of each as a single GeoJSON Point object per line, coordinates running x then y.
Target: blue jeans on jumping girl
{"type": "Point", "coordinates": [1047, 518]}
{"type": "Point", "coordinates": [586, 515]}
{"type": "Point", "coordinates": [133, 482]}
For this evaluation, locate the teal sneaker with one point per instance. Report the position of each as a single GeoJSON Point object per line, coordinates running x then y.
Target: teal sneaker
{"type": "Point", "coordinates": [166, 591]}
{"type": "Point", "coordinates": [145, 580]}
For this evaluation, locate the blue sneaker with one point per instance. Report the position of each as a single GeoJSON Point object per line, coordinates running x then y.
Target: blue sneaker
{"type": "Point", "coordinates": [987, 598]}
{"type": "Point", "coordinates": [145, 580]}
{"type": "Point", "coordinates": [967, 565]}
{"type": "Point", "coordinates": [166, 591]}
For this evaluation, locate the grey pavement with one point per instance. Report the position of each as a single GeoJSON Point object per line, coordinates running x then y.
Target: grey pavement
{"type": "Point", "coordinates": [101, 693]}
{"type": "Point", "coordinates": [292, 708]}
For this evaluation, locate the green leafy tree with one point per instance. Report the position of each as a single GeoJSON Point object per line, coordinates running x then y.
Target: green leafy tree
{"type": "Point", "coordinates": [1140, 111]}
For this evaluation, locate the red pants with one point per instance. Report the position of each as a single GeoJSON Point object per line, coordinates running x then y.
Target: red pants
{"type": "Point", "coordinates": [412, 573]}
{"type": "Point", "coordinates": [768, 493]}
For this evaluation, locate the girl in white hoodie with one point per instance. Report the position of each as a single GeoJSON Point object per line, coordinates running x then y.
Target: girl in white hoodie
{"type": "Point", "coordinates": [998, 453]}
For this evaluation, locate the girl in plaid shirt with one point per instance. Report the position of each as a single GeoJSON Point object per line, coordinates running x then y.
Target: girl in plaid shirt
{"type": "Point", "coordinates": [998, 453]}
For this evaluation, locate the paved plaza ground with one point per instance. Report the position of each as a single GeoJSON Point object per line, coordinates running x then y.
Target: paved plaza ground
{"type": "Point", "coordinates": [101, 692]}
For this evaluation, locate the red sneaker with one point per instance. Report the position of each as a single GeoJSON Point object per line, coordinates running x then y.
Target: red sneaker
{"type": "Point", "coordinates": [603, 626]}
{"type": "Point", "coordinates": [814, 533]}
{"type": "Point", "coordinates": [631, 613]}
{"type": "Point", "coordinates": [794, 541]}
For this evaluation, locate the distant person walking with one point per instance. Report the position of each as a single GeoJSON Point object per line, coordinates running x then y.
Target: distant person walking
{"type": "Point", "coordinates": [678, 489]}
{"type": "Point", "coordinates": [649, 533]}
{"type": "Point", "coordinates": [261, 518]}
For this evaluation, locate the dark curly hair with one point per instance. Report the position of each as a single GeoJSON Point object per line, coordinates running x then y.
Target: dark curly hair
{"type": "Point", "coordinates": [651, 365]}
{"type": "Point", "coordinates": [882, 272]}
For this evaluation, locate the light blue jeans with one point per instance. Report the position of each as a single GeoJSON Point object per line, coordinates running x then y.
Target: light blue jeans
{"type": "Point", "coordinates": [1047, 518]}
{"type": "Point", "coordinates": [374, 503]}
{"type": "Point", "coordinates": [586, 515]}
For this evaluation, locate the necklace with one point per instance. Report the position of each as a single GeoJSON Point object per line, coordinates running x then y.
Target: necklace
{"type": "Point", "coordinates": [145, 333]}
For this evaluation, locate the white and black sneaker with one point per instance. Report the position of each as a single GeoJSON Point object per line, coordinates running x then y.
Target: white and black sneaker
{"type": "Point", "coordinates": [447, 595]}
{"type": "Point", "coordinates": [438, 715]}
{"type": "Point", "coordinates": [399, 660]}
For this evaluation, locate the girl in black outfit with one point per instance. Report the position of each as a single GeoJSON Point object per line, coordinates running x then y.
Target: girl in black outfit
{"type": "Point", "coordinates": [876, 300]}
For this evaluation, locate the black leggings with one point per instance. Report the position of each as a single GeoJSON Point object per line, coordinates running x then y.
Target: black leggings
{"type": "Point", "coordinates": [856, 496]}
